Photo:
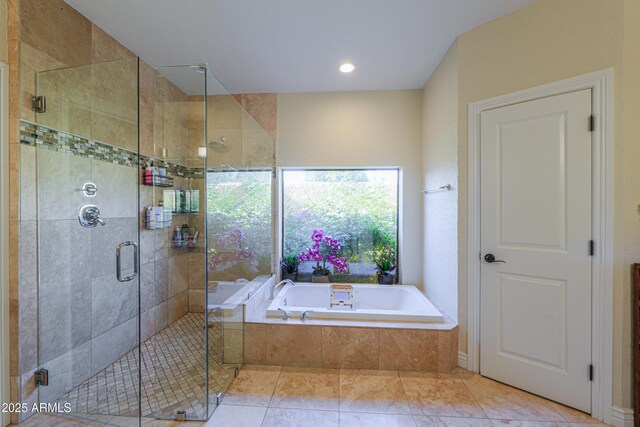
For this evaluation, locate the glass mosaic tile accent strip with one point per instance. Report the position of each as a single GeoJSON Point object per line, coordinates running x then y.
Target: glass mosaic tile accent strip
{"type": "Point", "coordinates": [52, 139]}
{"type": "Point", "coordinates": [173, 375]}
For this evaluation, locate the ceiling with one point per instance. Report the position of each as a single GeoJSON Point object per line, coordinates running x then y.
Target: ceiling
{"type": "Point", "coordinates": [296, 45]}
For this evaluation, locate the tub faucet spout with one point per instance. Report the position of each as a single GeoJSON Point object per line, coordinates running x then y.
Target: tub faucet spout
{"type": "Point", "coordinates": [285, 314]}
{"type": "Point", "coordinates": [274, 286]}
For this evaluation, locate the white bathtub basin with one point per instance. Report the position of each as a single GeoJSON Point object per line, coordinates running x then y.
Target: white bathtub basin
{"type": "Point", "coordinates": [371, 302]}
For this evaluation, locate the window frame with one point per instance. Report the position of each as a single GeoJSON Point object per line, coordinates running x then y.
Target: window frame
{"type": "Point", "coordinates": [280, 208]}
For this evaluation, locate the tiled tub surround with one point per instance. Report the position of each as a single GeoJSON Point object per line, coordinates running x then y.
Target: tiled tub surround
{"type": "Point", "coordinates": [347, 344]}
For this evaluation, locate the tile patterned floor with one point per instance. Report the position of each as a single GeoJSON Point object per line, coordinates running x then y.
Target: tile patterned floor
{"type": "Point", "coordinates": [173, 375]}
{"type": "Point", "coordinates": [263, 396]}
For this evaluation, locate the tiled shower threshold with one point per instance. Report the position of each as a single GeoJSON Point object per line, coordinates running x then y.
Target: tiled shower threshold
{"type": "Point", "coordinates": [173, 376]}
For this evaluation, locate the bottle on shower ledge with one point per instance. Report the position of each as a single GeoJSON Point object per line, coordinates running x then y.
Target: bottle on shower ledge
{"type": "Point", "coordinates": [185, 234]}
{"type": "Point", "coordinates": [177, 238]}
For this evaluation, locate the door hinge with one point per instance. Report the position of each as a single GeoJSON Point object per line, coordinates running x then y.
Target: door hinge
{"type": "Point", "coordinates": [592, 123]}
{"type": "Point", "coordinates": [590, 372]}
{"type": "Point", "coordinates": [592, 247]}
{"type": "Point", "coordinates": [39, 104]}
{"type": "Point", "coordinates": [41, 377]}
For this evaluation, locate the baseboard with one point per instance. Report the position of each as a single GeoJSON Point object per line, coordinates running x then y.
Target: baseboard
{"type": "Point", "coordinates": [462, 359]}
{"type": "Point", "coordinates": [621, 417]}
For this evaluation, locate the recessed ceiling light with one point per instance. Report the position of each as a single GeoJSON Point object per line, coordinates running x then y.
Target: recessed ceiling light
{"type": "Point", "coordinates": [347, 67]}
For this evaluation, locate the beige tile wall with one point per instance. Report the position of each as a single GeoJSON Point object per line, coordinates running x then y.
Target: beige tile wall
{"type": "Point", "coordinates": [350, 347]}
{"type": "Point", "coordinates": [4, 51]}
{"type": "Point", "coordinates": [18, 392]}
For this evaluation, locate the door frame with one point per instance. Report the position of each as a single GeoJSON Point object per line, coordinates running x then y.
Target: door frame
{"type": "Point", "coordinates": [601, 85]}
{"type": "Point", "coordinates": [4, 241]}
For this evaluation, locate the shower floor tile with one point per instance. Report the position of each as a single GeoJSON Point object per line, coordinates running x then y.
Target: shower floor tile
{"type": "Point", "coordinates": [173, 375]}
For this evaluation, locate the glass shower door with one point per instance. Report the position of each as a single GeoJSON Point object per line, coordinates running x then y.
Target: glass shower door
{"type": "Point", "coordinates": [83, 154]}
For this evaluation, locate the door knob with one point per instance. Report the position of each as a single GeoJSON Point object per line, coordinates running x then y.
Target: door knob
{"type": "Point", "coordinates": [490, 258]}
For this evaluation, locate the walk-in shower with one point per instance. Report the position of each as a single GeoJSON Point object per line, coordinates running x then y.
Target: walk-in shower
{"type": "Point", "coordinates": [137, 262]}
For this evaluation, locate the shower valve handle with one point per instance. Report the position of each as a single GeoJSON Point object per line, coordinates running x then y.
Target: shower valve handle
{"type": "Point", "coordinates": [89, 216]}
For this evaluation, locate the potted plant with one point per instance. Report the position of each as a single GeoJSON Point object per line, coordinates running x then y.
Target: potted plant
{"type": "Point", "coordinates": [385, 268]}
{"type": "Point", "coordinates": [324, 249]}
{"type": "Point", "coordinates": [290, 264]}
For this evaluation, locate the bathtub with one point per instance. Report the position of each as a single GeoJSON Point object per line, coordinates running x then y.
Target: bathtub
{"type": "Point", "coordinates": [370, 302]}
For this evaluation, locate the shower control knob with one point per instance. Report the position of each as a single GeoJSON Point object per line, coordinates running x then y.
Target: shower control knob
{"type": "Point", "coordinates": [89, 216]}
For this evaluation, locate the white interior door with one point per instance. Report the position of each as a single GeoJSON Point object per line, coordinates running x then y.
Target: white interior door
{"type": "Point", "coordinates": [535, 324]}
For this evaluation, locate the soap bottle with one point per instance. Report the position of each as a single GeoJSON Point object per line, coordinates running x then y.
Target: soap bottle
{"type": "Point", "coordinates": [166, 215]}
{"type": "Point", "coordinates": [182, 200]}
{"type": "Point", "coordinates": [149, 217]}
{"type": "Point", "coordinates": [157, 216]}
{"type": "Point", "coordinates": [185, 233]}
{"type": "Point", "coordinates": [177, 238]}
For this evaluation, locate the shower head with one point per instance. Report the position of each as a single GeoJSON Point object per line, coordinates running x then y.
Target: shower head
{"type": "Point", "coordinates": [220, 146]}
{"type": "Point", "coordinates": [226, 165]}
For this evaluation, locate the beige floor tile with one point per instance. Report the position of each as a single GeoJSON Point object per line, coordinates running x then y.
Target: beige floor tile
{"type": "Point", "coordinates": [125, 421]}
{"type": "Point", "coordinates": [463, 373]}
{"type": "Point", "coordinates": [170, 423]}
{"type": "Point", "coordinates": [421, 374]}
{"type": "Point", "coordinates": [518, 423]}
{"type": "Point", "coordinates": [424, 421]}
{"type": "Point", "coordinates": [254, 386]}
{"type": "Point", "coordinates": [358, 419]}
{"type": "Point", "coordinates": [237, 416]}
{"type": "Point", "coordinates": [500, 401]}
{"type": "Point", "coordinates": [99, 418]}
{"type": "Point", "coordinates": [372, 391]}
{"type": "Point", "coordinates": [278, 417]}
{"type": "Point", "coordinates": [307, 388]}
{"type": "Point", "coordinates": [54, 420]}
{"type": "Point", "coordinates": [440, 396]}
{"type": "Point", "coordinates": [573, 415]}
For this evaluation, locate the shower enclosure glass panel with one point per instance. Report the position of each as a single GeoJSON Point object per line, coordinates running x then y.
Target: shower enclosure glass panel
{"type": "Point", "coordinates": [174, 333]}
{"type": "Point", "coordinates": [239, 219]}
{"type": "Point", "coordinates": [120, 181]}
{"type": "Point", "coordinates": [80, 164]}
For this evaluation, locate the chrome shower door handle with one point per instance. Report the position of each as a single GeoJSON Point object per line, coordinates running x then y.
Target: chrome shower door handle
{"type": "Point", "coordinates": [119, 261]}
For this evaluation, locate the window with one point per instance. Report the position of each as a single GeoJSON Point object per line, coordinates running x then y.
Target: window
{"type": "Point", "coordinates": [358, 207]}
{"type": "Point", "coordinates": [239, 224]}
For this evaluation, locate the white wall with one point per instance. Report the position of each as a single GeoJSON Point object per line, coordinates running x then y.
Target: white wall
{"type": "Point", "coordinates": [360, 129]}
{"type": "Point", "coordinates": [440, 167]}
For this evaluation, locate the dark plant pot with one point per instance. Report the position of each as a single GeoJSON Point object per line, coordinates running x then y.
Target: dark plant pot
{"type": "Point", "coordinates": [319, 279]}
{"type": "Point", "coordinates": [386, 280]}
{"type": "Point", "coordinates": [290, 276]}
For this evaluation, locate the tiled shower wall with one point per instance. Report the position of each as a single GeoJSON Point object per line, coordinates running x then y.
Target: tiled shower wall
{"type": "Point", "coordinates": [85, 318]}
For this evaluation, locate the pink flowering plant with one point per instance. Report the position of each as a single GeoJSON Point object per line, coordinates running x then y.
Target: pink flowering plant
{"type": "Point", "coordinates": [324, 249]}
